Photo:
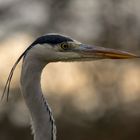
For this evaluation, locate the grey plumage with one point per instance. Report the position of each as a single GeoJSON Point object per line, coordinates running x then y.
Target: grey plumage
{"type": "Point", "coordinates": [46, 49]}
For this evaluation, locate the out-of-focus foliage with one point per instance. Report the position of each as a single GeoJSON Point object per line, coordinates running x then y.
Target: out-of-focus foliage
{"type": "Point", "coordinates": [96, 100]}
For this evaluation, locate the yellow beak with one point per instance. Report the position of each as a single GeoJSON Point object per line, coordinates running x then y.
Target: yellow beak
{"type": "Point", "coordinates": [104, 53]}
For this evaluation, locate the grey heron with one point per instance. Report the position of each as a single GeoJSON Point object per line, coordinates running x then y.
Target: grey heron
{"type": "Point", "coordinates": [45, 49]}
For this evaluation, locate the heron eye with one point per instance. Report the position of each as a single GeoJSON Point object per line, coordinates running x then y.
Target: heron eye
{"type": "Point", "coordinates": [65, 46]}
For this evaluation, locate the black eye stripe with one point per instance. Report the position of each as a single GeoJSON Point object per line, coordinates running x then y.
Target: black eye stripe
{"type": "Point", "coordinates": [51, 39]}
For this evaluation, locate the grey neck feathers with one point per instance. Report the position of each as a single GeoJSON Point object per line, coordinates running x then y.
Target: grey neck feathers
{"type": "Point", "coordinates": [41, 114]}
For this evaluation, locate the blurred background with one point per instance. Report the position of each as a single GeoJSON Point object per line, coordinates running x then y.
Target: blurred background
{"type": "Point", "coordinates": [96, 100]}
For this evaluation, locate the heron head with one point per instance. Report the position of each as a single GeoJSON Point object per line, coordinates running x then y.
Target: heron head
{"type": "Point", "coordinates": [56, 47]}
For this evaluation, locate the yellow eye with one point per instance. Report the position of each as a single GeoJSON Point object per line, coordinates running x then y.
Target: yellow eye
{"type": "Point", "coordinates": [65, 46]}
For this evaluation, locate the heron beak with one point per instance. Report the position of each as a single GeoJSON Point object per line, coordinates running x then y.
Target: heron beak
{"type": "Point", "coordinates": [104, 53]}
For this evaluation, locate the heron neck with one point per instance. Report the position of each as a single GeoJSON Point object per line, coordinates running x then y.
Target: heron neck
{"type": "Point", "coordinates": [41, 115]}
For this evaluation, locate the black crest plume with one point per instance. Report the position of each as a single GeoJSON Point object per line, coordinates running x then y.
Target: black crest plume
{"type": "Point", "coordinates": [49, 39]}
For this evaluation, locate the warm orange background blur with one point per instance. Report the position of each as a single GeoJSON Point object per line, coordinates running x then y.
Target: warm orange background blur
{"type": "Point", "coordinates": [91, 100]}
